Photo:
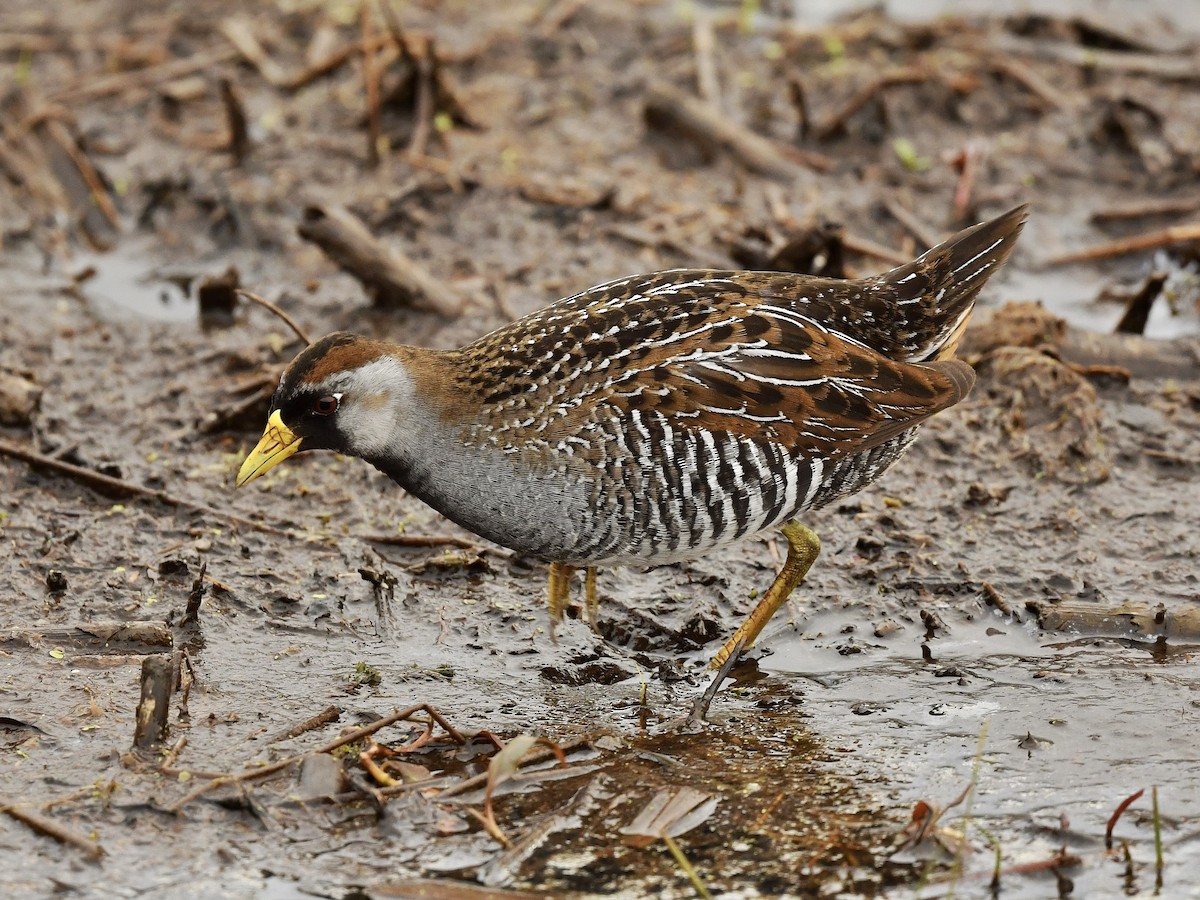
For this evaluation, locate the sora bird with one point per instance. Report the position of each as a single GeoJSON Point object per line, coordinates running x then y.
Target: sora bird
{"type": "Point", "coordinates": [651, 418]}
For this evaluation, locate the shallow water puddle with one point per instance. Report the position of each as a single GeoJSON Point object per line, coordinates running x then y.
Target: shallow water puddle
{"type": "Point", "coordinates": [1069, 727]}
{"type": "Point", "coordinates": [119, 286]}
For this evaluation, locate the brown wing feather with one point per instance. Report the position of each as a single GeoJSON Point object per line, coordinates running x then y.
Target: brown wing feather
{"type": "Point", "coordinates": [798, 384]}
{"type": "Point", "coordinates": [716, 355]}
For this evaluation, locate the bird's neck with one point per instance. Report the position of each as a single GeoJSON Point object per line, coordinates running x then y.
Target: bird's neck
{"type": "Point", "coordinates": [476, 485]}
{"type": "Point", "coordinates": [423, 450]}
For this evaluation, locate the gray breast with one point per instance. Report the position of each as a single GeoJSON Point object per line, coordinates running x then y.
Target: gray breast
{"type": "Point", "coordinates": [539, 510]}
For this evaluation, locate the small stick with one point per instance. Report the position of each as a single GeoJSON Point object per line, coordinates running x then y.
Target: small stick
{"type": "Point", "coordinates": [1137, 310]}
{"type": "Point", "coordinates": [1166, 206]}
{"type": "Point", "coordinates": [533, 758]}
{"type": "Point", "coordinates": [1059, 859]}
{"type": "Point", "coordinates": [396, 33]}
{"type": "Point", "coordinates": [704, 44]}
{"type": "Point", "coordinates": [643, 237]}
{"type": "Point", "coordinates": [334, 61]}
{"type": "Point", "coordinates": [1168, 67]}
{"type": "Point", "coordinates": [383, 588]}
{"type": "Point", "coordinates": [799, 101]}
{"type": "Point", "coordinates": [421, 540]}
{"type": "Point", "coordinates": [558, 15]}
{"type": "Point", "coordinates": [84, 793]}
{"type": "Point", "coordinates": [47, 826]}
{"type": "Point", "coordinates": [862, 97]}
{"type": "Point", "coordinates": [288, 320]}
{"type": "Point", "coordinates": [425, 72]}
{"type": "Point", "coordinates": [186, 673]}
{"type": "Point", "coordinates": [108, 486]}
{"type": "Point", "coordinates": [239, 33]}
{"type": "Point", "coordinates": [1030, 80]}
{"type": "Point", "coordinates": [120, 82]}
{"type": "Point", "coordinates": [389, 276]}
{"type": "Point", "coordinates": [321, 719]}
{"type": "Point", "coordinates": [172, 756]}
{"type": "Point", "coordinates": [1158, 841]}
{"type": "Point", "coordinates": [58, 133]}
{"type": "Point", "coordinates": [191, 613]}
{"type": "Point", "coordinates": [136, 638]}
{"type": "Point", "coordinates": [220, 419]}
{"type": "Point", "coordinates": [670, 109]}
{"type": "Point", "coordinates": [155, 706]}
{"type": "Point", "coordinates": [235, 117]}
{"type": "Point", "coordinates": [31, 43]}
{"type": "Point", "coordinates": [992, 597]}
{"type": "Point", "coordinates": [371, 79]}
{"type": "Point", "coordinates": [1149, 240]}
{"type": "Point", "coordinates": [925, 236]}
{"type": "Point", "coordinates": [967, 161]}
{"type": "Point", "coordinates": [867, 247]}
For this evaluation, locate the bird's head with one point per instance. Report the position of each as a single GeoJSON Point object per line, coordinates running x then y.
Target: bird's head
{"type": "Point", "coordinates": [345, 393]}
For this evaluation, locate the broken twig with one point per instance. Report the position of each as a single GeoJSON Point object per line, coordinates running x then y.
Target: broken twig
{"type": "Point", "coordinates": [390, 277]}
{"type": "Point", "coordinates": [867, 247]}
{"type": "Point", "coordinates": [669, 109]}
{"type": "Point", "coordinates": [1137, 309]}
{"type": "Point", "coordinates": [321, 719]}
{"type": "Point", "coordinates": [421, 540]}
{"type": "Point", "coordinates": [860, 98]}
{"type": "Point", "coordinates": [235, 118]}
{"type": "Point", "coordinates": [371, 81]}
{"type": "Point", "coordinates": [1141, 209]}
{"type": "Point", "coordinates": [47, 826]}
{"type": "Point", "coordinates": [118, 488]}
{"type": "Point", "coordinates": [288, 320]}
{"type": "Point", "coordinates": [1135, 243]}
{"type": "Point", "coordinates": [155, 706]}
{"type": "Point", "coordinates": [926, 236]}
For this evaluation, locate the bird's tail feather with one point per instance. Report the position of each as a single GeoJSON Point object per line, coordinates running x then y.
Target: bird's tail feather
{"type": "Point", "coordinates": [943, 283]}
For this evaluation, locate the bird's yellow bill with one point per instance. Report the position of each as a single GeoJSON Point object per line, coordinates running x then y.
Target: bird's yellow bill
{"type": "Point", "coordinates": [277, 444]}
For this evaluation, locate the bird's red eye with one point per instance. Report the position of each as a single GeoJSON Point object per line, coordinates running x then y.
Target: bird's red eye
{"type": "Point", "coordinates": [326, 406]}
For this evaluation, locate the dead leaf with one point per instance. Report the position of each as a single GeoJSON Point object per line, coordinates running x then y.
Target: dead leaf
{"type": "Point", "coordinates": [671, 812]}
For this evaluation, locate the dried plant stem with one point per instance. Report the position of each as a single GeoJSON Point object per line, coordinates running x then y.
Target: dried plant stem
{"type": "Point", "coordinates": [1158, 842]}
{"type": "Point", "coordinates": [1112, 820]}
{"type": "Point", "coordinates": [47, 826]}
{"type": "Point", "coordinates": [112, 487]}
{"type": "Point", "coordinates": [688, 868]}
{"type": "Point", "coordinates": [266, 304]}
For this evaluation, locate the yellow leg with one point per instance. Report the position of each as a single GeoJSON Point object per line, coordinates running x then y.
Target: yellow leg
{"type": "Point", "coordinates": [803, 547]}
{"type": "Point", "coordinates": [558, 591]}
{"type": "Point", "coordinates": [593, 603]}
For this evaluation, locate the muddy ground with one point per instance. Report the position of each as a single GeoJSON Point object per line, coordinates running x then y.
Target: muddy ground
{"type": "Point", "coordinates": [1012, 612]}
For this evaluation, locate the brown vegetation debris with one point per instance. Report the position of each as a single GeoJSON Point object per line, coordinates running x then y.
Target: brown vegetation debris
{"type": "Point", "coordinates": [1048, 410]}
